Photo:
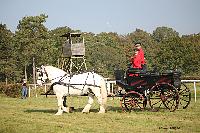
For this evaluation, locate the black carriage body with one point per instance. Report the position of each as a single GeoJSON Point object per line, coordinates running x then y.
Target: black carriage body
{"type": "Point", "coordinates": [147, 80]}
{"type": "Point", "coordinates": [159, 89]}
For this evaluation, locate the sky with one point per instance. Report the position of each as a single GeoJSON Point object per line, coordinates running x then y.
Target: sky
{"type": "Point", "coordinates": [121, 16]}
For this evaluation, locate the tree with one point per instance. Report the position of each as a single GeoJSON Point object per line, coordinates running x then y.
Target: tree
{"type": "Point", "coordinates": [104, 52]}
{"type": "Point", "coordinates": [191, 54]}
{"type": "Point", "coordinates": [33, 41]}
{"type": "Point", "coordinates": [169, 56]}
{"type": "Point", "coordinates": [7, 54]}
{"type": "Point", "coordinates": [162, 34]}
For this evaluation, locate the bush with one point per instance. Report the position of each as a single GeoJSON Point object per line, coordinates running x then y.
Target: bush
{"type": "Point", "coordinates": [11, 90]}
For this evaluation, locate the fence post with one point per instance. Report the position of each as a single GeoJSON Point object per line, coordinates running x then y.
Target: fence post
{"type": "Point", "coordinates": [112, 88]}
{"type": "Point", "coordinates": [29, 91]}
{"type": "Point", "coordinates": [195, 92]}
{"type": "Point", "coordinates": [35, 90]}
{"type": "Point", "coordinates": [108, 86]}
{"type": "Point", "coordinates": [45, 88]}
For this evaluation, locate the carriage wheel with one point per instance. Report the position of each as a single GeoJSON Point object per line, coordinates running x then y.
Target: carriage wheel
{"type": "Point", "coordinates": [132, 101]}
{"type": "Point", "coordinates": [155, 101]}
{"type": "Point", "coordinates": [171, 97]}
{"type": "Point", "coordinates": [185, 96]}
{"type": "Point", "coordinates": [164, 94]}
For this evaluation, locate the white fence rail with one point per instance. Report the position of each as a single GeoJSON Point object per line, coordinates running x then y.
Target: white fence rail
{"type": "Point", "coordinates": [194, 84]}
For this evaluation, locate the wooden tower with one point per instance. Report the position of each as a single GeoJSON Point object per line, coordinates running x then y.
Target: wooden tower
{"type": "Point", "coordinates": [73, 53]}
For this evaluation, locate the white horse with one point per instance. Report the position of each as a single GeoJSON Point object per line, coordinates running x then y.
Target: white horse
{"type": "Point", "coordinates": [64, 84]}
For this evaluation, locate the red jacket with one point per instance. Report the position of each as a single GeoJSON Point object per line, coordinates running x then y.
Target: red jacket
{"type": "Point", "coordinates": [136, 61]}
{"type": "Point", "coordinates": [141, 54]}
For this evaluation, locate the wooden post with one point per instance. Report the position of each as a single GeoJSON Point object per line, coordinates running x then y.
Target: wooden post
{"type": "Point", "coordinates": [25, 73]}
{"type": "Point", "coordinates": [45, 88]}
{"type": "Point", "coordinates": [34, 81]}
{"type": "Point", "coordinates": [112, 88]}
{"type": "Point", "coordinates": [195, 92]}
{"type": "Point", "coordinates": [29, 91]}
{"type": "Point", "coordinates": [35, 90]}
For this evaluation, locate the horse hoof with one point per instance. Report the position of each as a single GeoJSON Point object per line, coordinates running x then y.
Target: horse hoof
{"type": "Point", "coordinates": [85, 112]}
{"type": "Point", "coordinates": [66, 109]}
{"type": "Point", "coordinates": [101, 112]}
{"type": "Point", "coordinates": [59, 113]}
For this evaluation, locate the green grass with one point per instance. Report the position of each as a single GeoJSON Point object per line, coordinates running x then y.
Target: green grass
{"type": "Point", "coordinates": [36, 115]}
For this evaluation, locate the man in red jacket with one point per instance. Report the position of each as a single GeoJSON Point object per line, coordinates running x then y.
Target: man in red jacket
{"type": "Point", "coordinates": [135, 63]}
{"type": "Point", "coordinates": [141, 54]}
{"type": "Point", "coordinates": [136, 60]}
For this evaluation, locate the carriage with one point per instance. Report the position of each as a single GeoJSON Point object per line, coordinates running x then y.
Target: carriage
{"type": "Point", "coordinates": [160, 89]}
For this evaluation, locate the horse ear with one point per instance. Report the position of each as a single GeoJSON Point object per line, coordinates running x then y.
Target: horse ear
{"type": "Point", "coordinates": [42, 66]}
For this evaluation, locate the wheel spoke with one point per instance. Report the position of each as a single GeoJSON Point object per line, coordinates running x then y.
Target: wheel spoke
{"type": "Point", "coordinates": [157, 102]}
{"type": "Point", "coordinates": [168, 101]}
{"type": "Point", "coordinates": [185, 96]}
{"type": "Point", "coordinates": [184, 100]}
{"type": "Point", "coordinates": [131, 100]}
{"type": "Point", "coordinates": [168, 96]}
{"type": "Point", "coordinates": [182, 90]}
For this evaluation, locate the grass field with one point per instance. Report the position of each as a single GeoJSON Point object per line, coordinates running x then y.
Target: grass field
{"type": "Point", "coordinates": [36, 115]}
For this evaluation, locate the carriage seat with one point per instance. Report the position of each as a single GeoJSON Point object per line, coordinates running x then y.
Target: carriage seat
{"type": "Point", "coordinates": [135, 72]}
{"type": "Point", "coordinates": [139, 72]}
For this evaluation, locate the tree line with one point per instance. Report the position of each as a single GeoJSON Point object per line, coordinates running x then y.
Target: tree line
{"type": "Point", "coordinates": [105, 52]}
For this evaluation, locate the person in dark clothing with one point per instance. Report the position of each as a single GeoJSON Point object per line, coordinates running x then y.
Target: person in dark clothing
{"type": "Point", "coordinates": [24, 91]}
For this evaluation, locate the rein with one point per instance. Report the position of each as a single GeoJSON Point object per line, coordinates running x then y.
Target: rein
{"type": "Point", "coordinates": [51, 87]}
{"type": "Point", "coordinates": [45, 72]}
{"type": "Point", "coordinates": [68, 85]}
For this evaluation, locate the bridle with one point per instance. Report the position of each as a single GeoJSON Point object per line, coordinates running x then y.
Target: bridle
{"type": "Point", "coordinates": [42, 72]}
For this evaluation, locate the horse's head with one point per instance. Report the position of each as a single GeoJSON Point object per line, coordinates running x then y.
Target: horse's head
{"type": "Point", "coordinates": [42, 75]}
{"type": "Point", "coordinates": [50, 73]}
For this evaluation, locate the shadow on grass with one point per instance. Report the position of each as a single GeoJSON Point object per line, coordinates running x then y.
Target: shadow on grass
{"type": "Point", "coordinates": [80, 110]}
{"type": "Point", "coordinates": [147, 109]}
{"type": "Point", "coordinates": [109, 109]}
{"type": "Point", "coordinates": [50, 111]}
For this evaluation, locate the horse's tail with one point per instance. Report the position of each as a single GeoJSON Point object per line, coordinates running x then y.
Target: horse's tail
{"type": "Point", "coordinates": [104, 92]}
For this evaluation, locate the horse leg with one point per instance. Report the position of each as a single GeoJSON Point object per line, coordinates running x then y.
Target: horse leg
{"type": "Point", "coordinates": [100, 100]}
{"type": "Point", "coordinates": [88, 106]}
{"type": "Point", "coordinates": [64, 106]}
{"type": "Point", "coordinates": [64, 101]}
{"type": "Point", "coordinates": [102, 106]}
{"type": "Point", "coordinates": [60, 104]}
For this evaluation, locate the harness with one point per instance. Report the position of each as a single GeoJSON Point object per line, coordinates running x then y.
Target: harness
{"type": "Point", "coordinates": [68, 85]}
